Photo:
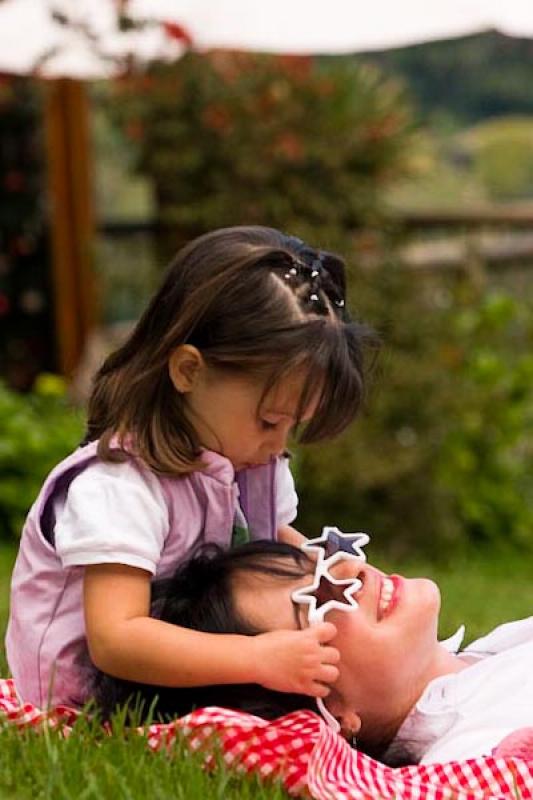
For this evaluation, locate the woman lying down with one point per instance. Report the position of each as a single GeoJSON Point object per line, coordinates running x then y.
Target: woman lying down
{"type": "Point", "coordinates": [407, 696]}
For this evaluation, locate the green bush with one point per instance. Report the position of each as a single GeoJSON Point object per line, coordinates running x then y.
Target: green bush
{"type": "Point", "coordinates": [486, 457]}
{"type": "Point", "coordinates": [36, 431]}
{"type": "Point", "coordinates": [443, 458]}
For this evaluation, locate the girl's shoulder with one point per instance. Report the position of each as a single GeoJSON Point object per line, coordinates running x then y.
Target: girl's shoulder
{"type": "Point", "coordinates": [129, 475]}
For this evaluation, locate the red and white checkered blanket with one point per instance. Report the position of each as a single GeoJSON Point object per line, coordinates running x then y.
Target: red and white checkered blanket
{"type": "Point", "coordinates": [303, 752]}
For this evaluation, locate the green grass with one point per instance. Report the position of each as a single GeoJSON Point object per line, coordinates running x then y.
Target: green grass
{"type": "Point", "coordinates": [480, 592]}
{"type": "Point", "coordinates": [89, 765]}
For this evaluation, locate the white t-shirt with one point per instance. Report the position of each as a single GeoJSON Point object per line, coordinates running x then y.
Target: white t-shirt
{"type": "Point", "coordinates": [117, 514]}
{"type": "Point", "coordinates": [467, 714]}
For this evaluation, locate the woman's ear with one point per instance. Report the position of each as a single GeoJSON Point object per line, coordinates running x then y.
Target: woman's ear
{"type": "Point", "coordinates": [348, 718]}
{"type": "Point", "coordinates": [185, 366]}
{"type": "Point", "coordinates": [350, 724]}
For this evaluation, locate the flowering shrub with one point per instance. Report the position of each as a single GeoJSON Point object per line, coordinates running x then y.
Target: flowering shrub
{"type": "Point", "coordinates": [237, 138]}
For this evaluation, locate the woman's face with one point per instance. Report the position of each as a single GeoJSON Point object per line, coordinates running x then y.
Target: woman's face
{"type": "Point", "coordinates": [387, 644]}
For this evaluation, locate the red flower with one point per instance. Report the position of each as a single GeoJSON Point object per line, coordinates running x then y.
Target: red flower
{"type": "Point", "coordinates": [135, 130]}
{"type": "Point", "coordinates": [291, 146]}
{"type": "Point", "coordinates": [217, 118]}
{"type": "Point", "coordinates": [296, 66]}
{"type": "Point", "coordinates": [175, 31]}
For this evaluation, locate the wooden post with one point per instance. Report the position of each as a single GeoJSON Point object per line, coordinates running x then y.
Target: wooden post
{"type": "Point", "coordinates": [71, 217]}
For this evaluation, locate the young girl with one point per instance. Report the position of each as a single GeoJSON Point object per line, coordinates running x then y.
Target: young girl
{"type": "Point", "coordinates": [247, 339]}
{"type": "Point", "coordinates": [408, 697]}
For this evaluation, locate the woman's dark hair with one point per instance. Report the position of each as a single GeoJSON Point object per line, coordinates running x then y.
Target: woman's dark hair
{"type": "Point", "coordinates": [200, 596]}
{"type": "Point", "coordinates": [254, 302]}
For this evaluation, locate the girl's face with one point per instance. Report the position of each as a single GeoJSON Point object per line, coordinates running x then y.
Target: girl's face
{"type": "Point", "coordinates": [388, 645]}
{"type": "Point", "coordinates": [228, 418]}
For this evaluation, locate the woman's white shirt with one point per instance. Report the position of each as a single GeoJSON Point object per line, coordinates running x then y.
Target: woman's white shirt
{"type": "Point", "coordinates": [467, 713]}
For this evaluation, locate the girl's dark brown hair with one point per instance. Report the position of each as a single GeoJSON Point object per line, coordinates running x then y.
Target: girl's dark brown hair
{"type": "Point", "coordinates": [254, 302]}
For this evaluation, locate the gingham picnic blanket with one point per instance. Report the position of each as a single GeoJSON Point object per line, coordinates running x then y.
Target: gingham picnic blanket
{"type": "Point", "coordinates": [306, 755]}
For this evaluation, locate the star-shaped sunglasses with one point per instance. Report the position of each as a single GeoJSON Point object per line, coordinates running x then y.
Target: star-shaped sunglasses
{"type": "Point", "coordinates": [331, 547]}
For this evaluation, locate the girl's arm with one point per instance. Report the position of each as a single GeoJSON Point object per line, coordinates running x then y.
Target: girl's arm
{"type": "Point", "coordinates": [127, 643]}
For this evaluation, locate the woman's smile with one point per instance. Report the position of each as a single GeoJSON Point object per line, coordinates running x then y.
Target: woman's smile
{"type": "Point", "coordinates": [390, 595]}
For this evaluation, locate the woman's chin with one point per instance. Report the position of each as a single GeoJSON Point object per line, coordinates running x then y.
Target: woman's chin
{"type": "Point", "coordinates": [422, 601]}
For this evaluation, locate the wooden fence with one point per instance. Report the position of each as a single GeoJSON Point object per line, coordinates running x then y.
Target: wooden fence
{"type": "Point", "coordinates": [431, 240]}
{"type": "Point", "coordinates": [489, 238]}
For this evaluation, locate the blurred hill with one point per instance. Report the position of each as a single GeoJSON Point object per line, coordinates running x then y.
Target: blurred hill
{"type": "Point", "coordinates": [474, 104]}
{"type": "Point", "coordinates": [465, 80]}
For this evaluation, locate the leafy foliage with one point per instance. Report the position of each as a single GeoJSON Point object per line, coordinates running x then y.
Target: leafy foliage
{"type": "Point", "coordinates": [444, 457]}
{"type": "Point", "coordinates": [233, 138]}
{"type": "Point", "coordinates": [491, 162]}
{"type": "Point", "coordinates": [487, 455]}
{"type": "Point", "coordinates": [500, 153]}
{"type": "Point", "coordinates": [36, 431]}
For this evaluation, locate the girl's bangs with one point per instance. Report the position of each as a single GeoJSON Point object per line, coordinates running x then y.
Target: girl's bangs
{"type": "Point", "coordinates": [334, 370]}
{"type": "Point", "coordinates": [330, 358]}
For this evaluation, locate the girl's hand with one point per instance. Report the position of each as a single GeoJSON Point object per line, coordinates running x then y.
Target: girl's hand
{"type": "Point", "coordinates": [297, 661]}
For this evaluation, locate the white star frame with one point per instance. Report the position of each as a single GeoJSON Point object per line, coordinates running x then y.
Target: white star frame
{"type": "Point", "coordinates": [351, 551]}
{"type": "Point", "coordinates": [307, 594]}
{"type": "Point", "coordinates": [332, 539]}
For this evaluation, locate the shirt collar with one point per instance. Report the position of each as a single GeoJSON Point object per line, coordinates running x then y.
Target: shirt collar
{"type": "Point", "coordinates": [453, 643]}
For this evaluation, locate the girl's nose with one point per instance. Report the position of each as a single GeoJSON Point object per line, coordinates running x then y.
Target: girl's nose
{"type": "Point", "coordinates": [278, 442]}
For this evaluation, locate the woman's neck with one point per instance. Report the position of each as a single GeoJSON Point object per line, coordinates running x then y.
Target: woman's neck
{"type": "Point", "coordinates": [380, 726]}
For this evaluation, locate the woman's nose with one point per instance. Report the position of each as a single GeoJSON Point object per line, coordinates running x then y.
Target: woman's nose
{"type": "Point", "coordinates": [347, 568]}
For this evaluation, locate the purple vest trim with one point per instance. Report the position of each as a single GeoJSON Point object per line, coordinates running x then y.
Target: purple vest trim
{"type": "Point", "coordinates": [258, 505]}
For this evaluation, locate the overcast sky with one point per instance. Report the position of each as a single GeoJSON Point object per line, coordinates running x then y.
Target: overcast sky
{"type": "Point", "coordinates": [299, 26]}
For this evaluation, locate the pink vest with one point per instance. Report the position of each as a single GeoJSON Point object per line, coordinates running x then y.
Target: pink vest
{"type": "Point", "coordinates": [46, 631]}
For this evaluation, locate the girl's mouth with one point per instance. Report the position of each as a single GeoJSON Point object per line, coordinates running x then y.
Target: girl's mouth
{"type": "Point", "coordinates": [389, 595]}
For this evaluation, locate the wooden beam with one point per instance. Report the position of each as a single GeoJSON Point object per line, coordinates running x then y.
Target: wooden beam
{"type": "Point", "coordinates": [71, 217]}
{"type": "Point", "coordinates": [488, 216]}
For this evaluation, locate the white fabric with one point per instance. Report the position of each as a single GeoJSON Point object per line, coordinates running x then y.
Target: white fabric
{"type": "Point", "coordinates": [116, 514]}
{"type": "Point", "coordinates": [468, 713]}
{"type": "Point", "coordinates": [112, 514]}
{"type": "Point", "coordinates": [286, 497]}
{"type": "Point", "coordinates": [454, 642]}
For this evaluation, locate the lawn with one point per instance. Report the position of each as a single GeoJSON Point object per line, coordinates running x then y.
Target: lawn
{"type": "Point", "coordinates": [479, 591]}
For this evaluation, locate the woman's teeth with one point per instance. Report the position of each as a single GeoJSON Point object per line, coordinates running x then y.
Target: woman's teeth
{"type": "Point", "coordinates": [387, 590]}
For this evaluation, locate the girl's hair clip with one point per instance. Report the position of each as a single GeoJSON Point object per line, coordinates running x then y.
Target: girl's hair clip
{"type": "Point", "coordinates": [331, 547]}
{"type": "Point", "coordinates": [294, 270]}
{"type": "Point", "coordinates": [317, 278]}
